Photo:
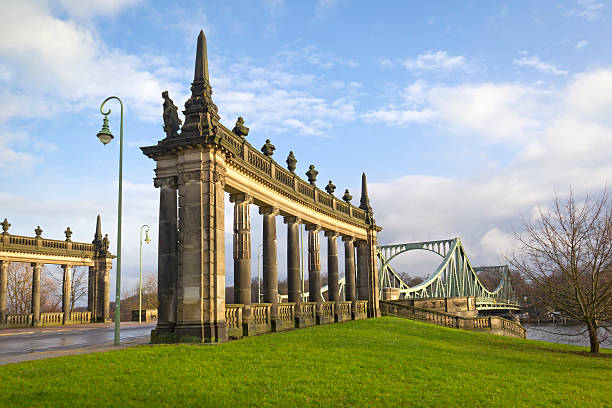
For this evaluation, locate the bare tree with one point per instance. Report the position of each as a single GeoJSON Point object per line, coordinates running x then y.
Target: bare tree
{"type": "Point", "coordinates": [567, 254]}
{"type": "Point", "coordinates": [78, 284]}
{"type": "Point", "coordinates": [19, 288]}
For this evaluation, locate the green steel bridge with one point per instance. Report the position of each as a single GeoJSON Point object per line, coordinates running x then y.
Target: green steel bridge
{"type": "Point", "coordinates": [454, 277]}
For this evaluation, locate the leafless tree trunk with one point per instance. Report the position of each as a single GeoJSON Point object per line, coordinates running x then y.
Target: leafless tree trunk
{"type": "Point", "coordinates": [567, 253]}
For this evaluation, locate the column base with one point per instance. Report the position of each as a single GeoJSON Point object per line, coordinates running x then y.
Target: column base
{"type": "Point", "coordinates": [276, 325]}
{"type": "Point", "coordinates": [200, 333]}
{"type": "Point", "coordinates": [66, 322]}
{"type": "Point", "coordinates": [249, 329]}
{"type": "Point", "coordinates": [324, 320]}
{"type": "Point", "coordinates": [338, 318]}
{"type": "Point", "coordinates": [299, 322]}
{"type": "Point", "coordinates": [163, 334]}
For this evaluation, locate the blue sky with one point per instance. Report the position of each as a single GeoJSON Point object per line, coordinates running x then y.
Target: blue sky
{"type": "Point", "coordinates": [464, 115]}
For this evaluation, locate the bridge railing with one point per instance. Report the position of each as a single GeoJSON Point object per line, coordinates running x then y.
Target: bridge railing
{"type": "Point", "coordinates": [493, 324]}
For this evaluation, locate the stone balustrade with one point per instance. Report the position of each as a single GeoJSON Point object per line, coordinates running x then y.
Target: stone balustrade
{"type": "Point", "coordinates": [233, 319]}
{"type": "Point", "coordinates": [19, 320]}
{"type": "Point", "coordinates": [345, 310]}
{"type": "Point", "coordinates": [51, 319]}
{"type": "Point", "coordinates": [493, 324]}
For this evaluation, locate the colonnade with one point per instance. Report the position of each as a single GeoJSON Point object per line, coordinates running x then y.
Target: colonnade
{"type": "Point", "coordinates": [37, 252]}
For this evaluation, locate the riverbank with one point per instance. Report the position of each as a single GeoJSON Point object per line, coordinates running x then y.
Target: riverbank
{"type": "Point", "coordinates": [384, 362]}
{"type": "Point", "coordinates": [572, 334]}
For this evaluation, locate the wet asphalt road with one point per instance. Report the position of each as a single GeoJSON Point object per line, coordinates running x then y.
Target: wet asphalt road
{"type": "Point", "coordinates": [25, 344]}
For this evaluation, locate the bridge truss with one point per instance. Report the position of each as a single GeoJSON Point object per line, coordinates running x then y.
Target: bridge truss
{"type": "Point", "coordinates": [455, 276]}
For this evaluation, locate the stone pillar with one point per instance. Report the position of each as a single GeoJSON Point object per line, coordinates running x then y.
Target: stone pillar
{"type": "Point", "coordinates": [333, 291]}
{"type": "Point", "coordinates": [4, 265]}
{"type": "Point", "coordinates": [314, 269]}
{"type": "Point", "coordinates": [372, 274]}
{"type": "Point", "coordinates": [242, 258]}
{"type": "Point", "coordinates": [270, 264]}
{"type": "Point", "coordinates": [362, 270]}
{"type": "Point", "coordinates": [349, 272]}
{"type": "Point", "coordinates": [201, 257]}
{"type": "Point", "coordinates": [166, 256]}
{"type": "Point", "coordinates": [66, 292]}
{"type": "Point", "coordinates": [293, 267]}
{"type": "Point", "coordinates": [36, 267]}
{"type": "Point", "coordinates": [104, 291]}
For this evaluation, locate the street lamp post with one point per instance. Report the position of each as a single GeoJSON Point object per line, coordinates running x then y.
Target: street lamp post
{"type": "Point", "coordinates": [147, 240]}
{"type": "Point", "coordinates": [105, 137]}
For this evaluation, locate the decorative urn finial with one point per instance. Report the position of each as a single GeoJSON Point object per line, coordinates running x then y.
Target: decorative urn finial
{"type": "Point", "coordinates": [38, 232]}
{"type": "Point", "coordinates": [347, 196]}
{"type": "Point", "coordinates": [268, 148]}
{"type": "Point", "coordinates": [5, 226]}
{"type": "Point", "coordinates": [68, 234]}
{"type": "Point", "coordinates": [312, 174]}
{"type": "Point", "coordinates": [291, 162]}
{"type": "Point", "coordinates": [330, 188]}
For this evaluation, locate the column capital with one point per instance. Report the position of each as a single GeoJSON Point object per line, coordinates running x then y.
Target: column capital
{"type": "Point", "coordinates": [165, 182]}
{"type": "Point", "coordinates": [188, 176]}
{"type": "Point", "coordinates": [348, 238]}
{"type": "Point", "coordinates": [292, 219]}
{"type": "Point", "coordinates": [240, 198]}
{"type": "Point", "coordinates": [268, 210]}
{"type": "Point", "coordinates": [36, 264]}
{"type": "Point", "coordinates": [67, 266]}
{"type": "Point", "coordinates": [312, 227]}
{"type": "Point", "coordinates": [331, 234]}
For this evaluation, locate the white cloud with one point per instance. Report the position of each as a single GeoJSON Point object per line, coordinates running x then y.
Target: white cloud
{"type": "Point", "coordinates": [565, 134]}
{"type": "Point", "coordinates": [79, 69]}
{"type": "Point", "coordinates": [435, 61]}
{"type": "Point", "coordinates": [581, 44]}
{"type": "Point", "coordinates": [587, 9]}
{"type": "Point", "coordinates": [535, 62]}
{"type": "Point", "coordinates": [88, 9]}
{"type": "Point", "coordinates": [398, 116]}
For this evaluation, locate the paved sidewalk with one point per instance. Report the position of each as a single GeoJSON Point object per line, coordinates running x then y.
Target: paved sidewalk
{"type": "Point", "coordinates": [33, 343]}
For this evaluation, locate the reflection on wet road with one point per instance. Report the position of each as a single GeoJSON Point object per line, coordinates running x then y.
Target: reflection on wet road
{"type": "Point", "coordinates": [65, 338]}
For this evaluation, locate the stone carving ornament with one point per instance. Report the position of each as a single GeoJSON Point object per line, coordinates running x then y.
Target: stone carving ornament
{"type": "Point", "coordinates": [291, 162]}
{"type": "Point", "coordinates": [268, 148]}
{"type": "Point", "coordinates": [312, 174]}
{"type": "Point", "coordinates": [330, 188]}
{"type": "Point", "coordinates": [240, 129]}
{"type": "Point", "coordinates": [172, 122]}
{"type": "Point", "coordinates": [347, 196]}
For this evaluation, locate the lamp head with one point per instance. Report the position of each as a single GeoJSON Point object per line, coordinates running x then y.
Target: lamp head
{"type": "Point", "coordinates": [147, 239]}
{"type": "Point", "coordinates": [105, 134]}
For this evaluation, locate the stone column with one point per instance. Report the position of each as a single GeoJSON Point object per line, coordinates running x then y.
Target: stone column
{"type": "Point", "coordinates": [333, 292]}
{"type": "Point", "coordinates": [66, 292]}
{"type": "Point", "coordinates": [349, 269]}
{"type": "Point", "coordinates": [166, 256]}
{"type": "Point", "coordinates": [314, 269]}
{"type": "Point", "coordinates": [372, 275]}
{"type": "Point", "coordinates": [242, 258]}
{"type": "Point", "coordinates": [3, 290]}
{"type": "Point", "coordinates": [105, 292]}
{"type": "Point", "coordinates": [270, 263]}
{"type": "Point", "coordinates": [200, 315]}
{"type": "Point", "coordinates": [293, 267]}
{"type": "Point", "coordinates": [362, 270]}
{"type": "Point", "coordinates": [36, 267]}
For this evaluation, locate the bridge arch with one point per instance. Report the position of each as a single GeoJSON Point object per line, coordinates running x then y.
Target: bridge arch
{"type": "Point", "coordinates": [455, 275]}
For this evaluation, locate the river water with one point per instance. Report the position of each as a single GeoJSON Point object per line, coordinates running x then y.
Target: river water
{"type": "Point", "coordinates": [570, 334]}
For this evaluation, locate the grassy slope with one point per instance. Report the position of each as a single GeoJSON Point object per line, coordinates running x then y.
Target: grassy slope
{"type": "Point", "coordinates": [384, 362]}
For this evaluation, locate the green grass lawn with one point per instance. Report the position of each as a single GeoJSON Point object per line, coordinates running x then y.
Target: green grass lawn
{"type": "Point", "coordinates": [387, 362]}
